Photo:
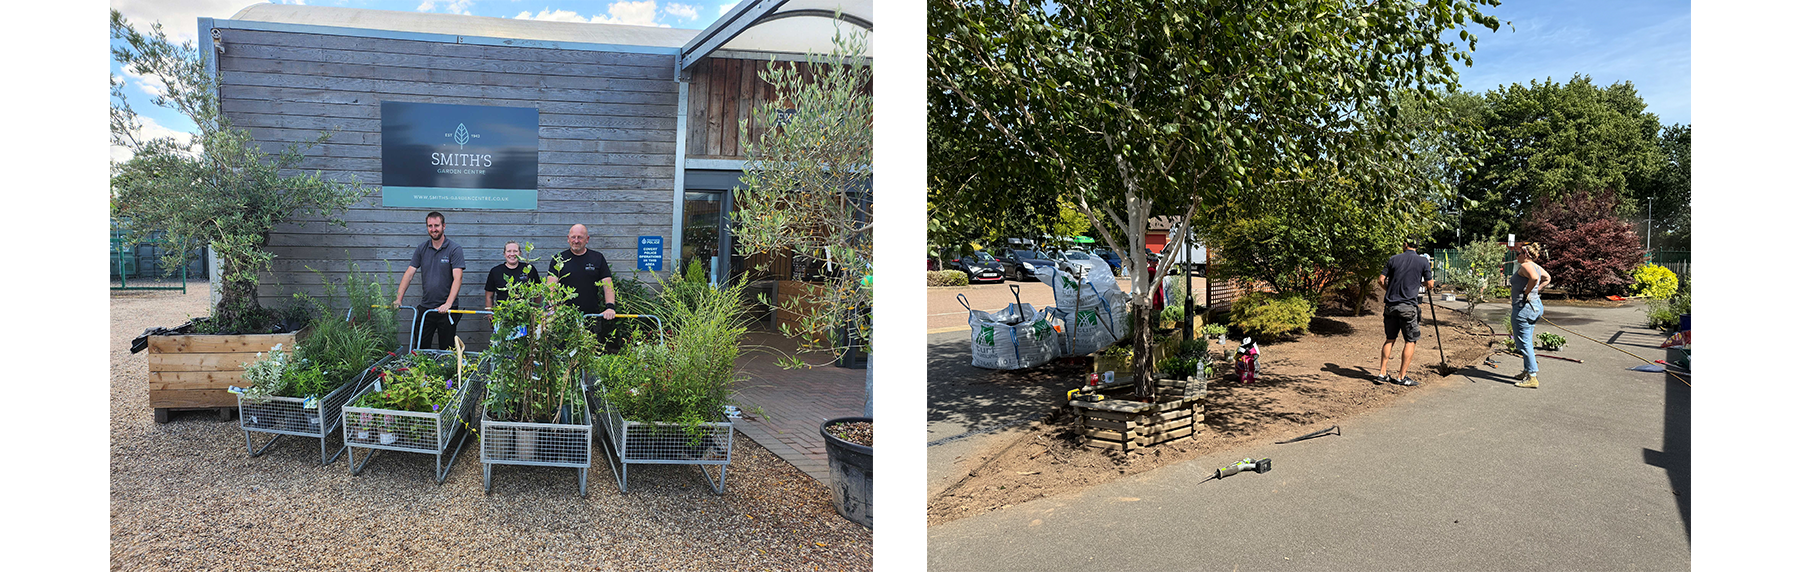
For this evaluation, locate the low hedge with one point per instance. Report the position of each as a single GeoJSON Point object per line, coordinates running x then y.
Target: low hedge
{"type": "Point", "coordinates": [946, 278]}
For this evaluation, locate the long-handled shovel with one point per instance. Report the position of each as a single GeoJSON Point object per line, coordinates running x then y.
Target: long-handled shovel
{"type": "Point", "coordinates": [1443, 362]}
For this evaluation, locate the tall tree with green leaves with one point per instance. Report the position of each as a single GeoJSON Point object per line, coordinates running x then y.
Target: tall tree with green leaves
{"type": "Point", "coordinates": [1666, 194]}
{"type": "Point", "coordinates": [1550, 139]}
{"type": "Point", "coordinates": [805, 188]}
{"type": "Point", "coordinates": [218, 189]}
{"type": "Point", "coordinates": [1145, 108]}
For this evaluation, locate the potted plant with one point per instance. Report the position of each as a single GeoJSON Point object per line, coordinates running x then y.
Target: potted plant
{"type": "Point", "coordinates": [536, 411]}
{"type": "Point", "coordinates": [303, 393]}
{"type": "Point", "coordinates": [850, 449]}
{"type": "Point", "coordinates": [806, 190]}
{"type": "Point", "coordinates": [416, 404]}
{"type": "Point", "coordinates": [217, 189]}
{"type": "Point", "coordinates": [664, 402]}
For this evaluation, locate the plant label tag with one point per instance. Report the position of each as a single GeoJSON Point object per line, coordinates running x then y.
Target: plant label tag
{"type": "Point", "coordinates": [377, 386]}
{"type": "Point", "coordinates": [310, 403]}
{"type": "Point", "coordinates": [234, 390]}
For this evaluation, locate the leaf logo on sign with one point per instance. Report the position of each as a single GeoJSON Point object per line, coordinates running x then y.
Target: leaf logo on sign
{"type": "Point", "coordinates": [986, 336]}
{"type": "Point", "coordinates": [461, 137]}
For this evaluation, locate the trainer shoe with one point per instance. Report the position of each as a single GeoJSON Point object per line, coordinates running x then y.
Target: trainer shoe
{"type": "Point", "coordinates": [1522, 375]}
{"type": "Point", "coordinates": [1406, 382]}
{"type": "Point", "coordinates": [1380, 379]}
{"type": "Point", "coordinates": [1530, 382]}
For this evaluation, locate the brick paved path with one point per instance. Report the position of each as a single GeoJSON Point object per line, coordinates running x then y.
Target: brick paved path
{"type": "Point", "coordinates": [793, 402]}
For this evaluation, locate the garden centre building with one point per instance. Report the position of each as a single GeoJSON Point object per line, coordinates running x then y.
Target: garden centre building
{"type": "Point", "coordinates": [514, 129]}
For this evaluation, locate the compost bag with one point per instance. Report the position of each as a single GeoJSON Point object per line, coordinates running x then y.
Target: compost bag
{"type": "Point", "coordinates": [1091, 309]}
{"type": "Point", "coordinates": [1015, 337]}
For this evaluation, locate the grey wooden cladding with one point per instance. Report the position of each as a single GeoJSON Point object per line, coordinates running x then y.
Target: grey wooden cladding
{"type": "Point", "coordinates": [606, 157]}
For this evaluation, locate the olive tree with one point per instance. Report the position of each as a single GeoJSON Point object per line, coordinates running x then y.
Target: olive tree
{"type": "Point", "coordinates": [1142, 108]}
{"type": "Point", "coordinates": [806, 189]}
{"type": "Point", "coordinates": [218, 189]}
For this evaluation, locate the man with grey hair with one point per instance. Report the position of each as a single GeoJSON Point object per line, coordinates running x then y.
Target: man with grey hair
{"type": "Point", "coordinates": [439, 262]}
{"type": "Point", "coordinates": [586, 271]}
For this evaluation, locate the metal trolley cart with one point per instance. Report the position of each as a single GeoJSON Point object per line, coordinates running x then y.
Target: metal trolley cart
{"type": "Point", "coordinates": [640, 443]}
{"type": "Point", "coordinates": [430, 433]}
{"type": "Point", "coordinates": [539, 444]}
{"type": "Point", "coordinates": [300, 417]}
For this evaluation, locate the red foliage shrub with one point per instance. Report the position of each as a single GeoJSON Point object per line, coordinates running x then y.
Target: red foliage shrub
{"type": "Point", "coordinates": [1588, 249]}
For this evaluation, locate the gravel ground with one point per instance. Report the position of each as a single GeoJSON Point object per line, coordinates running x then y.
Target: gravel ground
{"type": "Point", "coordinates": [185, 495]}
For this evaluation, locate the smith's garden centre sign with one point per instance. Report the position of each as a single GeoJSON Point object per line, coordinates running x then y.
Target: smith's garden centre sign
{"type": "Point", "coordinates": [437, 155]}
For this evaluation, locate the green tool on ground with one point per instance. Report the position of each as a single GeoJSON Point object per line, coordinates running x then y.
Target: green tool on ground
{"type": "Point", "coordinates": [1262, 466]}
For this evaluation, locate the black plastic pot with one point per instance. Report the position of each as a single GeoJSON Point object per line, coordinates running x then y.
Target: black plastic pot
{"type": "Point", "coordinates": [852, 481]}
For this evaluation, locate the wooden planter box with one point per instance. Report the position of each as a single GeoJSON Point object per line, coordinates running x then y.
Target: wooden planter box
{"type": "Point", "coordinates": [191, 371]}
{"type": "Point", "coordinates": [1130, 425]}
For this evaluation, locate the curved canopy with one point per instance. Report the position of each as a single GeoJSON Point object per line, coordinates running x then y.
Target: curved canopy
{"type": "Point", "coordinates": [790, 26]}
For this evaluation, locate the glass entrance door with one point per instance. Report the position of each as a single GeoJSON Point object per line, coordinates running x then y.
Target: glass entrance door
{"type": "Point", "coordinates": [701, 230]}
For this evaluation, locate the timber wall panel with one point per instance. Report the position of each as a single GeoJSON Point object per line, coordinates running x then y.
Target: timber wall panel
{"type": "Point", "coordinates": [723, 91]}
{"type": "Point", "coordinates": [606, 142]}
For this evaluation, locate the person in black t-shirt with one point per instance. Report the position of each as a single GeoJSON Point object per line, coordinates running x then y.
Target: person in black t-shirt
{"type": "Point", "coordinates": [586, 271]}
{"type": "Point", "coordinates": [520, 273]}
{"type": "Point", "coordinates": [1400, 317]}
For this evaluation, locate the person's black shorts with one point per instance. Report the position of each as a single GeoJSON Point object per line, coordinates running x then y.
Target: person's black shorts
{"type": "Point", "coordinates": [1402, 318]}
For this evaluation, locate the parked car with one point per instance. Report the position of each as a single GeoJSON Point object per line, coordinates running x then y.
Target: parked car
{"type": "Point", "coordinates": [1018, 264]}
{"type": "Point", "coordinates": [1078, 262]}
{"type": "Point", "coordinates": [980, 266]}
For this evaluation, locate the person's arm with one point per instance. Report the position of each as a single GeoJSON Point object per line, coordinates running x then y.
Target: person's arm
{"type": "Point", "coordinates": [606, 286]}
{"type": "Point", "coordinates": [489, 303]}
{"type": "Point", "coordinates": [455, 286]}
{"type": "Point", "coordinates": [405, 280]}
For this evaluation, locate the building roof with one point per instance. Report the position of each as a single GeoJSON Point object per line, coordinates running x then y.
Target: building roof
{"type": "Point", "coordinates": [786, 35]}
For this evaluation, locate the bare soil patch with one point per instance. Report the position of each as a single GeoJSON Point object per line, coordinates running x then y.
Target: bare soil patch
{"type": "Point", "coordinates": [1307, 383]}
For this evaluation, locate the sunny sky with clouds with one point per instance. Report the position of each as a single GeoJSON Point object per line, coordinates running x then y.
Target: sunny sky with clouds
{"type": "Point", "coordinates": [180, 19]}
{"type": "Point", "coordinates": [1644, 42]}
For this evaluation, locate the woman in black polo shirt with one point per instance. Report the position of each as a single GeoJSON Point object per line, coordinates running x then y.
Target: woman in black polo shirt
{"type": "Point", "coordinates": [520, 272]}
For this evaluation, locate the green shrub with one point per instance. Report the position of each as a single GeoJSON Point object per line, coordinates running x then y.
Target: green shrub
{"type": "Point", "coordinates": [1178, 367]}
{"type": "Point", "coordinates": [946, 278]}
{"type": "Point", "coordinates": [1213, 330]}
{"type": "Point", "coordinates": [1550, 341]}
{"type": "Point", "coordinates": [1262, 315]}
{"type": "Point", "coordinates": [1652, 281]}
{"type": "Point", "coordinates": [1665, 315]}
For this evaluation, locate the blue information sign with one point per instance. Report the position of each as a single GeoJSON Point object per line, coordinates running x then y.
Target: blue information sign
{"type": "Point", "coordinates": [437, 155]}
{"type": "Point", "coordinates": [650, 249]}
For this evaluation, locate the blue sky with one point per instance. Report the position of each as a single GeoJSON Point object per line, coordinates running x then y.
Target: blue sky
{"type": "Point", "coordinates": [1646, 42]}
{"type": "Point", "coordinates": [179, 19]}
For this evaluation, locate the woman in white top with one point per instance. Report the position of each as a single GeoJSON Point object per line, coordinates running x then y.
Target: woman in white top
{"type": "Point", "coordinates": [1527, 308]}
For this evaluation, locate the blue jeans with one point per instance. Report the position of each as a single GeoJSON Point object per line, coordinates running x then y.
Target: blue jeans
{"type": "Point", "coordinates": [1525, 314]}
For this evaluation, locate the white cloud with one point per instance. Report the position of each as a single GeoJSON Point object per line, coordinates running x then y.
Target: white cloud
{"type": "Point", "coordinates": [726, 7]}
{"type": "Point", "coordinates": [557, 16]}
{"type": "Point", "coordinates": [426, 6]}
{"type": "Point", "coordinates": [179, 19]}
{"type": "Point", "coordinates": [150, 85]}
{"type": "Point", "coordinates": [623, 12]}
{"type": "Point", "coordinates": [148, 130]}
{"type": "Point", "coordinates": [683, 11]}
{"type": "Point", "coordinates": [626, 12]}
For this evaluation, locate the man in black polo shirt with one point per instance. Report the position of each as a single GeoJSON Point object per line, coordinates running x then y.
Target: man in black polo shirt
{"type": "Point", "coordinates": [586, 271]}
{"type": "Point", "coordinates": [440, 264]}
{"type": "Point", "coordinates": [1401, 279]}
